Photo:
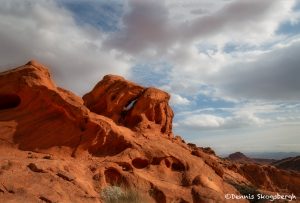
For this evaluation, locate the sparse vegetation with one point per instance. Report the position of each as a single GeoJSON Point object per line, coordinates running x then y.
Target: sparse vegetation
{"type": "Point", "coordinates": [118, 194]}
{"type": "Point", "coordinates": [249, 191]}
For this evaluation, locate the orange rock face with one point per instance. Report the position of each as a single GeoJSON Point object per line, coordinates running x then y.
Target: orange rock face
{"type": "Point", "coordinates": [38, 115]}
{"type": "Point", "coordinates": [57, 147]}
{"type": "Point", "coordinates": [270, 178]}
{"type": "Point", "coordinates": [131, 105]}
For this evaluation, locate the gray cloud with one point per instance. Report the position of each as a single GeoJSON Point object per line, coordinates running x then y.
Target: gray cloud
{"type": "Point", "coordinates": [148, 25]}
{"type": "Point", "coordinates": [76, 54]}
{"type": "Point", "coordinates": [273, 76]}
{"type": "Point", "coordinates": [79, 53]}
{"type": "Point", "coordinates": [48, 33]}
{"type": "Point", "coordinates": [235, 15]}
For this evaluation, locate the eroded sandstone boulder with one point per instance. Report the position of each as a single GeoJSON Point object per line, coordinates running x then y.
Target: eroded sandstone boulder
{"type": "Point", "coordinates": [36, 114]}
{"type": "Point", "coordinates": [130, 104]}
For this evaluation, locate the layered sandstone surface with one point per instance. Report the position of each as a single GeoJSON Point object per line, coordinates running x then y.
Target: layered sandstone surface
{"type": "Point", "coordinates": [131, 105]}
{"type": "Point", "coordinates": [58, 147]}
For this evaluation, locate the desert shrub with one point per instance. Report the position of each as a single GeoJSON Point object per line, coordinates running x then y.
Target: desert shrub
{"type": "Point", "coordinates": [117, 194]}
{"type": "Point", "coordinates": [111, 194]}
{"type": "Point", "coordinates": [249, 191]}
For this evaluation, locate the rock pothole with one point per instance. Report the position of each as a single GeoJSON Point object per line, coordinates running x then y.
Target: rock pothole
{"type": "Point", "coordinates": [9, 101]}
{"type": "Point", "coordinates": [140, 163]}
{"type": "Point", "coordinates": [114, 177]}
{"type": "Point", "coordinates": [33, 167]}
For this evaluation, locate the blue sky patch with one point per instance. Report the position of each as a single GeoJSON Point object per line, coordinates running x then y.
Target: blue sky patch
{"type": "Point", "coordinates": [101, 14]}
{"type": "Point", "coordinates": [289, 28]}
{"type": "Point", "coordinates": [297, 6]}
{"type": "Point", "coordinates": [151, 74]}
{"type": "Point", "coordinates": [208, 102]}
{"type": "Point", "coordinates": [207, 48]}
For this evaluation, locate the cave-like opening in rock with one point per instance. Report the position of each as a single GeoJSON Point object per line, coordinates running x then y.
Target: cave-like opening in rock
{"type": "Point", "coordinates": [9, 101]}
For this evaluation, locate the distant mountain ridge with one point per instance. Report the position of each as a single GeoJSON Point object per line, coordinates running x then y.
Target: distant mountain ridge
{"type": "Point", "coordinates": [242, 158]}
{"type": "Point", "coordinates": [239, 156]}
{"type": "Point", "coordinates": [291, 163]}
{"type": "Point", "coordinates": [273, 155]}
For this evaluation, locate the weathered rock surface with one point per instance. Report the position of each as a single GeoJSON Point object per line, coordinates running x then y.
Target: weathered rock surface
{"type": "Point", "coordinates": [264, 177]}
{"type": "Point", "coordinates": [36, 114]}
{"type": "Point", "coordinates": [131, 105]}
{"type": "Point", "coordinates": [118, 134]}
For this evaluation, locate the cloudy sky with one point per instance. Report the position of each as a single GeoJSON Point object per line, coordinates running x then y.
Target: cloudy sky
{"type": "Point", "coordinates": [231, 66]}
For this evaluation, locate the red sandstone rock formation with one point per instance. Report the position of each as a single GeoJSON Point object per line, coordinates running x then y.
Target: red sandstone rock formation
{"type": "Point", "coordinates": [56, 147]}
{"type": "Point", "coordinates": [270, 178]}
{"type": "Point", "coordinates": [131, 105]}
{"type": "Point", "coordinates": [35, 114]}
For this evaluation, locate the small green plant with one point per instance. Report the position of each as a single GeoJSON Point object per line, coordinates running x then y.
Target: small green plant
{"type": "Point", "coordinates": [112, 194]}
{"type": "Point", "coordinates": [117, 194]}
{"type": "Point", "coordinates": [248, 191]}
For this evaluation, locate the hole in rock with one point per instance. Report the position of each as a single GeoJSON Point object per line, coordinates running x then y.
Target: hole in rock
{"type": "Point", "coordinates": [177, 166]}
{"type": "Point", "coordinates": [197, 180]}
{"type": "Point", "coordinates": [113, 97]}
{"type": "Point", "coordinates": [156, 161]}
{"type": "Point", "coordinates": [114, 177]}
{"type": "Point", "coordinates": [185, 180]}
{"type": "Point", "coordinates": [9, 101]}
{"type": "Point", "coordinates": [167, 162]}
{"type": "Point", "coordinates": [158, 195]}
{"type": "Point", "coordinates": [163, 129]}
{"type": "Point", "coordinates": [129, 105]}
{"type": "Point", "coordinates": [140, 163]}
